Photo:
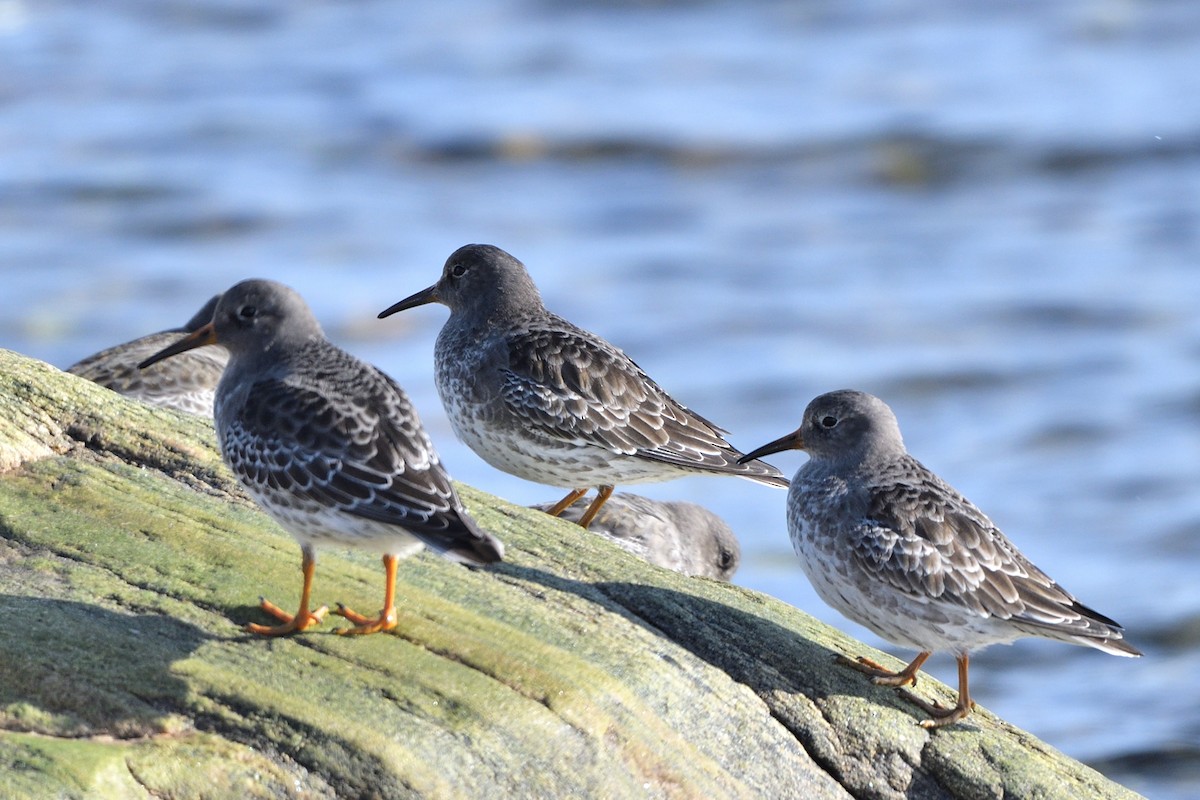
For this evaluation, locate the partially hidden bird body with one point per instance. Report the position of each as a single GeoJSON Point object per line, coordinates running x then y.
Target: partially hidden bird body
{"type": "Point", "coordinates": [540, 398]}
{"type": "Point", "coordinates": [188, 383]}
{"type": "Point", "coordinates": [684, 537]}
{"type": "Point", "coordinates": [329, 445]}
{"type": "Point", "coordinates": [892, 546]}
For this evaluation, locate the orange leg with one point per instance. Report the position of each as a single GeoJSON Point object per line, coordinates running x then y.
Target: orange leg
{"type": "Point", "coordinates": [881, 676]}
{"type": "Point", "coordinates": [602, 494]}
{"type": "Point", "coordinates": [387, 618]}
{"type": "Point", "coordinates": [939, 715]}
{"type": "Point", "coordinates": [565, 503]}
{"type": "Point", "coordinates": [303, 619]}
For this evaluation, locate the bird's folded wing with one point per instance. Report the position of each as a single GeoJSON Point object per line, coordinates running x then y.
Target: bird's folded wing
{"type": "Point", "coordinates": [926, 540]}
{"type": "Point", "coordinates": [583, 391]}
{"type": "Point", "coordinates": [360, 451]}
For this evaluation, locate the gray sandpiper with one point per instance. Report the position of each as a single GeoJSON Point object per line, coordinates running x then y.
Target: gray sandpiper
{"type": "Point", "coordinates": [542, 399]}
{"type": "Point", "coordinates": [329, 446]}
{"type": "Point", "coordinates": [684, 537]}
{"type": "Point", "coordinates": [895, 548]}
{"type": "Point", "coordinates": [187, 383]}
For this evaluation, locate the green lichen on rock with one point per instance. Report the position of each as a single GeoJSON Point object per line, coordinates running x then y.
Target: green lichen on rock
{"type": "Point", "coordinates": [188, 767]}
{"type": "Point", "coordinates": [129, 559]}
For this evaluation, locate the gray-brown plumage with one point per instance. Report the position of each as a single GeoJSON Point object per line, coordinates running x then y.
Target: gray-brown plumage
{"type": "Point", "coordinates": [895, 548]}
{"type": "Point", "coordinates": [330, 446]}
{"type": "Point", "coordinates": [547, 401]}
{"type": "Point", "coordinates": [187, 383]}
{"type": "Point", "coordinates": [684, 537]}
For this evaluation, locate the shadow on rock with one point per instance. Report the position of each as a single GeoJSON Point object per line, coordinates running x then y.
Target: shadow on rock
{"type": "Point", "coordinates": [751, 649]}
{"type": "Point", "coordinates": [766, 657]}
{"type": "Point", "coordinates": [75, 669]}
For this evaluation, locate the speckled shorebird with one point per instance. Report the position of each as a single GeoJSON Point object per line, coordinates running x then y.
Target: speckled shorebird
{"type": "Point", "coordinates": [895, 548]}
{"type": "Point", "coordinates": [329, 446]}
{"type": "Point", "coordinates": [187, 383]}
{"type": "Point", "coordinates": [684, 537]}
{"type": "Point", "coordinates": [542, 399]}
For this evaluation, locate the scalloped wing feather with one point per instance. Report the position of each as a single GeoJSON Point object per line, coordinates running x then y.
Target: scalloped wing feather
{"type": "Point", "coordinates": [358, 448]}
{"type": "Point", "coordinates": [584, 391]}
{"type": "Point", "coordinates": [925, 539]}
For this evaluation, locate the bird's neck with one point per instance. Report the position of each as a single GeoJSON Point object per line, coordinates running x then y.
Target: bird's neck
{"type": "Point", "coordinates": [502, 310]}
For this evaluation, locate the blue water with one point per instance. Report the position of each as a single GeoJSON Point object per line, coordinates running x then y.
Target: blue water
{"type": "Point", "coordinates": [985, 213]}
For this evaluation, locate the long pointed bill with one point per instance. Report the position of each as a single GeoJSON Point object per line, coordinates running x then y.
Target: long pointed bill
{"type": "Point", "coordinates": [419, 299]}
{"type": "Point", "coordinates": [790, 442]}
{"type": "Point", "coordinates": [205, 334]}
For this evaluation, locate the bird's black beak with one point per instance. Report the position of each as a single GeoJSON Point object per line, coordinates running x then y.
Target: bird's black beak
{"type": "Point", "coordinates": [792, 441]}
{"type": "Point", "coordinates": [419, 299]}
{"type": "Point", "coordinates": [205, 334]}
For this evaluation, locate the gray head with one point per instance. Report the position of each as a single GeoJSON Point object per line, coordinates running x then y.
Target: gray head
{"type": "Point", "coordinates": [685, 537]}
{"type": "Point", "coordinates": [479, 281]}
{"type": "Point", "coordinates": [255, 317]}
{"type": "Point", "coordinates": [845, 425]}
{"type": "Point", "coordinates": [718, 552]}
{"type": "Point", "coordinates": [203, 316]}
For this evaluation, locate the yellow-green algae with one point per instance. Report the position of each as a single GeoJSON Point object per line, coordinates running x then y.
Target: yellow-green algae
{"type": "Point", "coordinates": [129, 559]}
{"type": "Point", "coordinates": [188, 767]}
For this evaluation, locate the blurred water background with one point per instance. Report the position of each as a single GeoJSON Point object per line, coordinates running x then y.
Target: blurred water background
{"type": "Point", "coordinates": [985, 213]}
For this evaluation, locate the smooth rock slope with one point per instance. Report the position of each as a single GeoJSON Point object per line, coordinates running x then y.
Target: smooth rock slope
{"type": "Point", "coordinates": [129, 558]}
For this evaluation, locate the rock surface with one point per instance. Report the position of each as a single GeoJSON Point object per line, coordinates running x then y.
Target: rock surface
{"type": "Point", "coordinates": [129, 558]}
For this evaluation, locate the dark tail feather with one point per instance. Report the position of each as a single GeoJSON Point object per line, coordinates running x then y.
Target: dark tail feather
{"type": "Point", "coordinates": [1113, 643]}
{"type": "Point", "coordinates": [471, 544]}
{"type": "Point", "coordinates": [770, 480]}
{"type": "Point", "coordinates": [1118, 647]}
{"type": "Point", "coordinates": [1089, 628]}
{"type": "Point", "coordinates": [762, 472]}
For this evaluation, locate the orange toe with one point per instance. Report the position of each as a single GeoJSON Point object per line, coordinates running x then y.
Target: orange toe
{"type": "Point", "coordinates": [938, 715]}
{"type": "Point", "coordinates": [292, 623]}
{"type": "Point", "coordinates": [364, 625]}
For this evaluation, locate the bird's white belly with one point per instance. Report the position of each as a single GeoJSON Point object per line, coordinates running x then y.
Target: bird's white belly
{"type": "Point", "coordinates": [544, 460]}
{"type": "Point", "coordinates": [535, 456]}
{"type": "Point", "coordinates": [314, 524]}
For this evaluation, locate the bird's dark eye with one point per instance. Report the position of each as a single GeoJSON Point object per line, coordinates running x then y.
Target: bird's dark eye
{"type": "Point", "coordinates": [247, 312]}
{"type": "Point", "coordinates": [458, 270]}
{"type": "Point", "coordinates": [828, 422]}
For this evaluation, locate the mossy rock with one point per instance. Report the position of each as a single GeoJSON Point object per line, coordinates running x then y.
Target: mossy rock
{"type": "Point", "coordinates": [129, 559]}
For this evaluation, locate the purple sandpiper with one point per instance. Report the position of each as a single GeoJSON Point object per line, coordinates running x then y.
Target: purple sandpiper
{"type": "Point", "coordinates": [538, 397]}
{"type": "Point", "coordinates": [895, 548]}
{"type": "Point", "coordinates": [187, 383]}
{"type": "Point", "coordinates": [684, 537]}
{"type": "Point", "coordinates": [329, 446]}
